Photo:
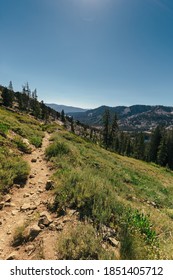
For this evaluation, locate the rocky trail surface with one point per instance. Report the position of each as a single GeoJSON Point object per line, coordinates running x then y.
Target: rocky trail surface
{"type": "Point", "coordinates": [27, 229]}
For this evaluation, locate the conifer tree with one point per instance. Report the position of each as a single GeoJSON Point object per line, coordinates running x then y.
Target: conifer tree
{"type": "Point", "coordinates": [7, 97]}
{"type": "Point", "coordinates": [154, 144]}
{"type": "Point", "coordinates": [162, 154]}
{"type": "Point", "coordinates": [114, 130]}
{"type": "Point", "coordinates": [10, 87]}
{"type": "Point", "coordinates": [62, 116]}
{"type": "Point", "coordinates": [106, 128]}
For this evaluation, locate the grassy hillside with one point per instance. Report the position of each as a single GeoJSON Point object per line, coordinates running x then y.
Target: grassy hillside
{"type": "Point", "coordinates": [130, 197]}
{"type": "Point", "coordinates": [17, 133]}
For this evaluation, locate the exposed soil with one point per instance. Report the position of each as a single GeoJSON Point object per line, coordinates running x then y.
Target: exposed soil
{"type": "Point", "coordinates": [13, 216]}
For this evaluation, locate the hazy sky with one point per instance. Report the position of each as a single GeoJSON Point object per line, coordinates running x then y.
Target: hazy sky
{"type": "Point", "coordinates": [89, 52]}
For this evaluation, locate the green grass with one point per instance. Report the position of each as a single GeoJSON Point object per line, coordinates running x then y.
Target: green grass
{"type": "Point", "coordinates": [82, 243]}
{"type": "Point", "coordinates": [14, 128]}
{"type": "Point", "coordinates": [103, 186]}
{"type": "Point", "coordinates": [12, 170]}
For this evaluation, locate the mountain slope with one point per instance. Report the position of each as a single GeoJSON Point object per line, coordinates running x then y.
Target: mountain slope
{"type": "Point", "coordinates": [137, 117]}
{"type": "Point", "coordinates": [120, 206]}
{"type": "Point", "coordinates": [127, 197]}
{"type": "Point", "coordinates": [67, 109]}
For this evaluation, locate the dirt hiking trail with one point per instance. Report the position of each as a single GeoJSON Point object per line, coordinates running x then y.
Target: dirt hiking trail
{"type": "Point", "coordinates": [26, 208]}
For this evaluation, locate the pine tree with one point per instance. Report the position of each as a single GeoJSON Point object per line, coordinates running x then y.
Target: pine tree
{"type": "Point", "coordinates": [72, 125]}
{"type": "Point", "coordinates": [7, 97]}
{"type": "Point", "coordinates": [62, 116]}
{"type": "Point", "coordinates": [114, 130]}
{"type": "Point", "coordinates": [170, 149]}
{"type": "Point", "coordinates": [139, 146]}
{"type": "Point", "coordinates": [10, 87]}
{"type": "Point", "coordinates": [106, 128]}
{"type": "Point", "coordinates": [162, 154]}
{"type": "Point", "coordinates": [154, 144]}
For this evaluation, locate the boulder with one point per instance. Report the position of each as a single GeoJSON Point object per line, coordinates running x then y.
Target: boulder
{"type": "Point", "coordinates": [31, 232]}
{"type": "Point", "coordinates": [12, 256]}
{"type": "Point", "coordinates": [45, 219]}
{"type": "Point", "coordinates": [25, 207]}
{"type": "Point", "coordinates": [33, 160]}
{"type": "Point", "coordinates": [7, 198]}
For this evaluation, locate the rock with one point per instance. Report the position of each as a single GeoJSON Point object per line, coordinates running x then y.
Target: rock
{"type": "Point", "coordinates": [7, 204]}
{"type": "Point", "coordinates": [52, 227]}
{"type": "Point", "coordinates": [7, 198]}
{"type": "Point", "coordinates": [29, 249]}
{"type": "Point", "coordinates": [30, 212]}
{"type": "Point", "coordinates": [33, 160]}
{"type": "Point", "coordinates": [26, 195]}
{"type": "Point", "coordinates": [107, 232]}
{"type": "Point", "coordinates": [45, 219]}
{"type": "Point", "coordinates": [40, 191]}
{"type": "Point", "coordinates": [9, 232]}
{"type": "Point", "coordinates": [17, 186]}
{"type": "Point", "coordinates": [40, 182]}
{"type": "Point", "coordinates": [25, 206]}
{"type": "Point", "coordinates": [33, 207]}
{"type": "Point", "coordinates": [1, 221]}
{"type": "Point", "coordinates": [13, 213]}
{"type": "Point", "coordinates": [31, 232]}
{"type": "Point", "coordinates": [59, 227]}
{"type": "Point", "coordinates": [12, 256]}
{"type": "Point", "coordinates": [71, 212]}
{"type": "Point", "coordinates": [31, 176]}
{"type": "Point", "coordinates": [31, 193]}
{"type": "Point", "coordinates": [2, 205]}
{"type": "Point", "coordinates": [49, 185]}
{"type": "Point", "coordinates": [113, 242]}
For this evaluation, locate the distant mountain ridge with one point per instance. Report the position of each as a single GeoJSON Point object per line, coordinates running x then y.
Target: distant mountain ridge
{"type": "Point", "coordinates": [136, 117]}
{"type": "Point", "coordinates": [67, 109]}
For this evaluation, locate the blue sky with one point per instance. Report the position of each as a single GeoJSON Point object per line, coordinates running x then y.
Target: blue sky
{"type": "Point", "coordinates": [89, 52]}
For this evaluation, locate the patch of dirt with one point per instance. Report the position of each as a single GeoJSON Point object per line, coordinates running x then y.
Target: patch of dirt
{"type": "Point", "coordinates": [25, 206]}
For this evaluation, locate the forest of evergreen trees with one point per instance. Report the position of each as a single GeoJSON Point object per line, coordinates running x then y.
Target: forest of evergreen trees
{"type": "Point", "coordinates": [155, 146]}
{"type": "Point", "coordinates": [27, 102]}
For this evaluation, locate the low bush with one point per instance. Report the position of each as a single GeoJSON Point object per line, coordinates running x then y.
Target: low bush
{"type": "Point", "coordinates": [21, 145]}
{"type": "Point", "coordinates": [36, 141]}
{"type": "Point", "coordinates": [12, 170]}
{"type": "Point", "coordinates": [3, 129]}
{"type": "Point", "coordinates": [57, 149]}
{"type": "Point", "coordinates": [82, 243]}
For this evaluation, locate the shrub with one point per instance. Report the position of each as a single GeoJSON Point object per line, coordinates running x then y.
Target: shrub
{"type": "Point", "coordinates": [18, 238]}
{"type": "Point", "coordinates": [21, 145]}
{"type": "Point", "coordinates": [3, 129]}
{"type": "Point", "coordinates": [82, 243]}
{"type": "Point", "coordinates": [36, 141]}
{"type": "Point", "coordinates": [92, 196]}
{"type": "Point", "coordinates": [57, 149]}
{"type": "Point", "coordinates": [12, 170]}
